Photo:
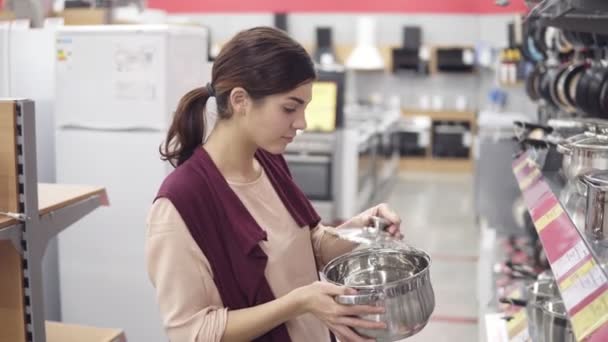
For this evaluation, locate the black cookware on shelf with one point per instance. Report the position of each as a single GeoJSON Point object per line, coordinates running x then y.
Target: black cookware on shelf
{"type": "Point", "coordinates": [546, 84]}
{"type": "Point", "coordinates": [563, 43]}
{"type": "Point", "coordinates": [598, 76]}
{"type": "Point", "coordinates": [556, 90]}
{"type": "Point", "coordinates": [567, 83]}
{"type": "Point", "coordinates": [589, 91]}
{"type": "Point", "coordinates": [533, 82]}
{"type": "Point", "coordinates": [582, 89]}
{"type": "Point", "coordinates": [562, 86]}
{"type": "Point", "coordinates": [604, 98]}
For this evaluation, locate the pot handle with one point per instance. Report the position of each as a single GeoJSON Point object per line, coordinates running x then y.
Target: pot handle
{"type": "Point", "coordinates": [381, 224]}
{"type": "Point", "coordinates": [513, 301]}
{"type": "Point", "coordinates": [590, 183]}
{"type": "Point", "coordinates": [564, 148]}
{"type": "Point", "coordinates": [363, 299]}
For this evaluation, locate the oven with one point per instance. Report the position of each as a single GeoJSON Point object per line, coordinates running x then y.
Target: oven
{"type": "Point", "coordinates": [313, 174]}
{"type": "Point", "coordinates": [311, 161]}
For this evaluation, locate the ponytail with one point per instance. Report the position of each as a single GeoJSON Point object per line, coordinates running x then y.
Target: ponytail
{"type": "Point", "coordinates": [187, 129]}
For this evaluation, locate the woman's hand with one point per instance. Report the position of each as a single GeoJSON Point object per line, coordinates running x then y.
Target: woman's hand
{"type": "Point", "coordinates": [318, 299]}
{"type": "Point", "coordinates": [381, 210]}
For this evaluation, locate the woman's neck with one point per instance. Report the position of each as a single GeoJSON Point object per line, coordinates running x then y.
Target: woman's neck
{"type": "Point", "coordinates": [232, 152]}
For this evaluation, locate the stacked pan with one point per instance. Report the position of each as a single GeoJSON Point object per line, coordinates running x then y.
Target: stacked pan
{"type": "Point", "coordinates": [578, 87]}
{"type": "Point", "coordinates": [574, 87]}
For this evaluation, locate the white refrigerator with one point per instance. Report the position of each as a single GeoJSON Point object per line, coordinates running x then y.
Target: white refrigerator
{"type": "Point", "coordinates": [117, 87]}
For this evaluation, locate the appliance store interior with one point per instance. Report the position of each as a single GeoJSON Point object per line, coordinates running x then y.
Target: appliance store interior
{"type": "Point", "coordinates": [390, 170]}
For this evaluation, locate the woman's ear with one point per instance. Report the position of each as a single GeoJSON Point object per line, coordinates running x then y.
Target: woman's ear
{"type": "Point", "coordinates": [239, 100]}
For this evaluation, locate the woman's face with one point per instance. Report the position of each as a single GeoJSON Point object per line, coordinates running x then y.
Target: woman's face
{"type": "Point", "coordinates": [272, 122]}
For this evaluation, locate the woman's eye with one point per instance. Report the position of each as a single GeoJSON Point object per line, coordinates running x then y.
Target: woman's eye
{"type": "Point", "coordinates": [289, 110]}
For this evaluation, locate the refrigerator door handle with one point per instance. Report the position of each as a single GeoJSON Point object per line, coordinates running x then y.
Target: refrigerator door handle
{"type": "Point", "coordinates": [142, 129]}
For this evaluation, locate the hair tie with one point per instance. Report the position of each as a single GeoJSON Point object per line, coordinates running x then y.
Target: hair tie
{"type": "Point", "coordinates": [210, 89]}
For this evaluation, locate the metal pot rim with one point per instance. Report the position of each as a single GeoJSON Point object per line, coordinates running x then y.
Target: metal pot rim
{"type": "Point", "coordinates": [549, 311]}
{"type": "Point", "coordinates": [595, 179]}
{"type": "Point", "coordinates": [393, 284]}
{"type": "Point", "coordinates": [581, 142]}
{"type": "Point", "coordinates": [538, 294]}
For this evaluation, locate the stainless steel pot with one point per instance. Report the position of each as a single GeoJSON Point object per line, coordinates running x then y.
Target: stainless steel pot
{"type": "Point", "coordinates": [586, 152]}
{"type": "Point", "coordinates": [556, 326]}
{"type": "Point", "coordinates": [538, 293]}
{"type": "Point", "coordinates": [575, 205]}
{"type": "Point", "coordinates": [596, 219]}
{"type": "Point", "coordinates": [397, 279]}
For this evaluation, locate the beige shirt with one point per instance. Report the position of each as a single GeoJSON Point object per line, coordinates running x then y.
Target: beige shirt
{"type": "Point", "coordinates": [187, 296]}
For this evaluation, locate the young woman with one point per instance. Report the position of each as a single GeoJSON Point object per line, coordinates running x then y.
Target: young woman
{"type": "Point", "coordinates": [233, 245]}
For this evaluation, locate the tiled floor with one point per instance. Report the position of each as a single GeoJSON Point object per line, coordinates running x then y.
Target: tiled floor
{"type": "Point", "coordinates": [438, 217]}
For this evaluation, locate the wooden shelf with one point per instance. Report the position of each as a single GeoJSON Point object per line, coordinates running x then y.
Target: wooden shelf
{"type": "Point", "coordinates": [444, 115]}
{"type": "Point", "coordinates": [436, 164]}
{"type": "Point", "coordinates": [61, 332]}
{"type": "Point", "coordinates": [52, 197]}
{"type": "Point", "coordinates": [344, 50]}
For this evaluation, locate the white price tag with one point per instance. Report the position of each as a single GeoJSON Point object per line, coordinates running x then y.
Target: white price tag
{"type": "Point", "coordinates": [581, 284]}
{"type": "Point", "coordinates": [468, 57]}
{"type": "Point", "coordinates": [467, 139]}
{"type": "Point", "coordinates": [572, 257]}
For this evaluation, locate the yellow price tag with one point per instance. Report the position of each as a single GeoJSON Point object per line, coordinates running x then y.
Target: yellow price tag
{"type": "Point", "coordinates": [549, 217]}
{"type": "Point", "coordinates": [517, 324]}
{"type": "Point", "coordinates": [526, 182]}
{"type": "Point", "coordinates": [591, 317]}
{"type": "Point", "coordinates": [521, 165]}
{"type": "Point", "coordinates": [577, 275]}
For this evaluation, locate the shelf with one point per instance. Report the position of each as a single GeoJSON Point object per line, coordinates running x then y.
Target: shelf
{"type": "Point", "coordinates": [582, 282]}
{"type": "Point", "coordinates": [52, 198]}
{"type": "Point", "coordinates": [592, 23]}
{"type": "Point", "coordinates": [436, 164]}
{"type": "Point", "coordinates": [41, 211]}
{"type": "Point", "coordinates": [61, 332]}
{"type": "Point", "coordinates": [577, 15]}
{"type": "Point", "coordinates": [446, 115]}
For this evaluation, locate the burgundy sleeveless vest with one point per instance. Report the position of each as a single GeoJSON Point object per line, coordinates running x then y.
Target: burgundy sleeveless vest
{"type": "Point", "coordinates": [227, 233]}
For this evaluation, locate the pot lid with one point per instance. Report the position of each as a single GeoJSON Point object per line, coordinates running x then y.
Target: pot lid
{"type": "Point", "coordinates": [566, 123]}
{"type": "Point", "coordinates": [597, 177]}
{"type": "Point", "coordinates": [590, 141]}
{"type": "Point", "coordinates": [372, 236]}
{"type": "Point", "coordinates": [594, 124]}
{"type": "Point", "coordinates": [556, 308]}
{"type": "Point", "coordinates": [543, 288]}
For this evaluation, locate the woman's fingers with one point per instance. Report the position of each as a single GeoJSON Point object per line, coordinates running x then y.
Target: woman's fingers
{"type": "Point", "coordinates": [345, 334]}
{"type": "Point", "coordinates": [335, 290]}
{"type": "Point", "coordinates": [384, 211]}
{"type": "Point", "coordinates": [360, 323]}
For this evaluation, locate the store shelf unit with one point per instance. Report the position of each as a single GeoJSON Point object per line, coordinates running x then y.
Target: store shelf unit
{"type": "Point", "coordinates": [431, 162]}
{"type": "Point", "coordinates": [44, 210]}
{"type": "Point", "coordinates": [582, 282]}
{"type": "Point", "coordinates": [577, 15]}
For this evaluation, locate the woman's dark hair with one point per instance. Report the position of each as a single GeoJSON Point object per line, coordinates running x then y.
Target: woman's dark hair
{"type": "Point", "coordinates": [262, 60]}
